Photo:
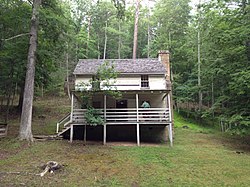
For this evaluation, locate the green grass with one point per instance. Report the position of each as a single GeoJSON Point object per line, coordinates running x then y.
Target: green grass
{"type": "Point", "coordinates": [200, 157]}
{"type": "Point", "coordinates": [180, 121]}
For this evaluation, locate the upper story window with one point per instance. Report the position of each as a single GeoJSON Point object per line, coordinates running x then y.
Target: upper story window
{"type": "Point", "coordinates": [144, 81]}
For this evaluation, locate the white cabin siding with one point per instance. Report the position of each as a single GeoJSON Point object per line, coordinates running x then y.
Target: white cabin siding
{"type": "Point", "coordinates": [80, 81]}
{"type": "Point", "coordinates": [157, 82]}
{"type": "Point", "coordinates": [129, 82]}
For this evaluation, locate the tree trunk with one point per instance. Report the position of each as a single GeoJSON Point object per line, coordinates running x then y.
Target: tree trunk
{"type": "Point", "coordinates": [20, 101]}
{"type": "Point", "coordinates": [98, 48]}
{"type": "Point", "coordinates": [89, 26]}
{"type": "Point", "coordinates": [136, 28]}
{"type": "Point", "coordinates": [105, 42]}
{"type": "Point", "coordinates": [9, 93]}
{"type": "Point", "coordinates": [67, 71]}
{"type": "Point", "coordinates": [148, 47]}
{"type": "Point", "coordinates": [14, 95]}
{"type": "Point", "coordinates": [25, 132]}
{"type": "Point", "coordinates": [119, 42]}
{"type": "Point", "coordinates": [148, 16]}
{"type": "Point", "coordinates": [199, 61]}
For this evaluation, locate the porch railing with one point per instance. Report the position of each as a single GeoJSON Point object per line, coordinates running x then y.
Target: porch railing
{"type": "Point", "coordinates": [127, 115]}
{"type": "Point", "coordinates": [63, 122]}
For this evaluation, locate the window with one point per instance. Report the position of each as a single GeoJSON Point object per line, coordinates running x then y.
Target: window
{"type": "Point", "coordinates": [144, 81]}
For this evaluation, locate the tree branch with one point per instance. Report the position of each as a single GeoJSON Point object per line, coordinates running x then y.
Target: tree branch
{"type": "Point", "coordinates": [13, 37]}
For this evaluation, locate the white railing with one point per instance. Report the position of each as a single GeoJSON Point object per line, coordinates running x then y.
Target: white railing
{"type": "Point", "coordinates": [143, 115]}
{"type": "Point", "coordinates": [78, 116]}
{"type": "Point", "coordinates": [126, 115]}
{"type": "Point", "coordinates": [64, 121]}
{"type": "Point", "coordinates": [119, 116]}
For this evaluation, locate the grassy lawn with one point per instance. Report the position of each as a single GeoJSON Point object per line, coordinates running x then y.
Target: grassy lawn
{"type": "Point", "coordinates": [200, 157]}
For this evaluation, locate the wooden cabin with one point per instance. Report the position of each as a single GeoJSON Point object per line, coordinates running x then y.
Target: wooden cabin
{"type": "Point", "coordinates": [138, 80]}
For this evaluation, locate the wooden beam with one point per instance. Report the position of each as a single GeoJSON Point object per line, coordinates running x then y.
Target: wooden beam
{"type": "Point", "coordinates": [105, 115]}
{"type": "Point", "coordinates": [85, 134]}
{"type": "Point", "coordinates": [137, 107]}
{"type": "Point", "coordinates": [137, 120]}
{"type": "Point", "coordinates": [72, 106]}
{"type": "Point", "coordinates": [71, 133]}
{"type": "Point", "coordinates": [57, 127]}
{"type": "Point", "coordinates": [138, 133]}
{"type": "Point", "coordinates": [170, 130]}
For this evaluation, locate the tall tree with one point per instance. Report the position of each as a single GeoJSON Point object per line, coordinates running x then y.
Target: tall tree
{"type": "Point", "coordinates": [25, 132]}
{"type": "Point", "coordinates": [199, 57]}
{"type": "Point", "coordinates": [137, 11]}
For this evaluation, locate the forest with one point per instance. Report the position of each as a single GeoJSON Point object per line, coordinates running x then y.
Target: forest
{"type": "Point", "coordinates": [209, 45]}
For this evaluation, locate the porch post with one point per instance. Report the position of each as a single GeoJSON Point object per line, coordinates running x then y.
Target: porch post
{"type": "Point", "coordinates": [72, 106]}
{"type": "Point", "coordinates": [170, 130]}
{"type": "Point", "coordinates": [104, 125]}
{"type": "Point", "coordinates": [71, 133]}
{"type": "Point", "coordinates": [137, 121]}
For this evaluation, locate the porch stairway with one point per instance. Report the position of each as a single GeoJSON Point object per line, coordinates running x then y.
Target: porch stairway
{"type": "Point", "coordinates": [76, 118]}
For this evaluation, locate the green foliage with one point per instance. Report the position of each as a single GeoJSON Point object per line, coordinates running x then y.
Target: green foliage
{"type": "Point", "coordinates": [120, 6]}
{"type": "Point", "coordinates": [15, 20]}
{"type": "Point", "coordinates": [93, 117]}
{"type": "Point", "coordinates": [76, 29]}
{"type": "Point", "coordinates": [103, 80]}
{"type": "Point", "coordinates": [224, 63]}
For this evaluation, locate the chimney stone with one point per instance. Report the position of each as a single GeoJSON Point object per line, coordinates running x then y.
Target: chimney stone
{"type": "Point", "coordinates": [163, 56]}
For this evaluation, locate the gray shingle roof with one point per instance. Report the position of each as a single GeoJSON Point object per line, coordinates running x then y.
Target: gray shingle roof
{"type": "Point", "coordinates": [123, 66]}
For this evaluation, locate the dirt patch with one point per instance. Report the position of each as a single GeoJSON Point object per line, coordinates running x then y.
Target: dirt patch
{"type": "Point", "coordinates": [131, 144]}
{"type": "Point", "coordinates": [238, 143]}
{"type": "Point", "coordinates": [116, 143]}
{"type": "Point", "coordinates": [3, 154]}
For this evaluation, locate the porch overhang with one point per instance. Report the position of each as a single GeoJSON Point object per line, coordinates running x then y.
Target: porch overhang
{"type": "Point", "coordinates": [135, 115]}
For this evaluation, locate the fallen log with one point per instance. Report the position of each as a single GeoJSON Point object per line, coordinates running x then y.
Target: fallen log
{"type": "Point", "coordinates": [50, 166]}
{"type": "Point", "coordinates": [46, 137]}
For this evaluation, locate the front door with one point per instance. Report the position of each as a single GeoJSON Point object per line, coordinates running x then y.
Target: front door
{"type": "Point", "coordinates": [122, 104]}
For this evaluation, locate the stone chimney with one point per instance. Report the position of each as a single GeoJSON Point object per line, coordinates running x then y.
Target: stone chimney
{"type": "Point", "coordinates": [163, 56]}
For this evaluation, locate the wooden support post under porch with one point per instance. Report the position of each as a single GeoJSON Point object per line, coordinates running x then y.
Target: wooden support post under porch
{"type": "Point", "coordinates": [105, 126]}
{"type": "Point", "coordinates": [170, 130]}
{"type": "Point", "coordinates": [137, 120]}
{"type": "Point", "coordinates": [71, 133]}
{"type": "Point", "coordinates": [71, 117]}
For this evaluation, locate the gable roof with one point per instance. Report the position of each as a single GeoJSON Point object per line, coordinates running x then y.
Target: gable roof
{"type": "Point", "coordinates": [123, 66]}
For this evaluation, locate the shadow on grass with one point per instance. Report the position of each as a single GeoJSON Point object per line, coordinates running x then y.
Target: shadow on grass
{"type": "Point", "coordinates": [236, 143]}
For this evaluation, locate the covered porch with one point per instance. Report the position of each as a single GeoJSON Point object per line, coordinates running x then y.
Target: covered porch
{"type": "Point", "coordinates": [126, 112]}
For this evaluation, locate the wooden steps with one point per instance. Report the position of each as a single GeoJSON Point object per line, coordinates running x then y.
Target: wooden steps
{"type": "Point", "coordinates": [63, 131]}
{"type": "Point", "coordinates": [47, 137]}
{"type": "Point", "coordinates": [3, 130]}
